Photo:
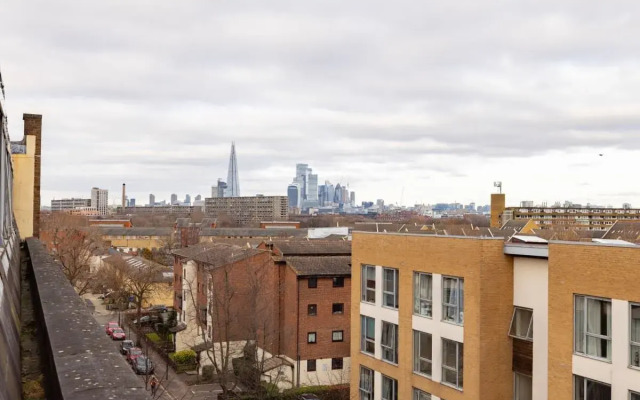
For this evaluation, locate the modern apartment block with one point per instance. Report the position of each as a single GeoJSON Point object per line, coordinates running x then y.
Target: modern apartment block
{"type": "Point", "coordinates": [69, 204]}
{"type": "Point", "coordinates": [477, 318]}
{"type": "Point", "coordinates": [248, 210]}
{"type": "Point", "coordinates": [100, 200]}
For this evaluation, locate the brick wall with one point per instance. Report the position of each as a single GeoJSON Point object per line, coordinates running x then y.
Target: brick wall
{"type": "Point", "coordinates": [33, 126]}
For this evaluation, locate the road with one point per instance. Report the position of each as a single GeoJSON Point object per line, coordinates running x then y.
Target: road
{"type": "Point", "coordinates": [172, 387]}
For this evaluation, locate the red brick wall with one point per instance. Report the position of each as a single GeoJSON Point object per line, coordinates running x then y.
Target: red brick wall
{"type": "Point", "coordinates": [288, 311]}
{"type": "Point", "coordinates": [177, 283]}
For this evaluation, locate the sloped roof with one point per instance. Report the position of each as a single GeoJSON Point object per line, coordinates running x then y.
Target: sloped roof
{"type": "Point", "coordinates": [253, 232]}
{"type": "Point", "coordinates": [320, 265]}
{"type": "Point", "coordinates": [296, 247]}
{"type": "Point", "coordinates": [517, 224]}
{"type": "Point", "coordinates": [216, 254]}
{"type": "Point", "coordinates": [134, 231]}
{"type": "Point", "coordinates": [627, 230]}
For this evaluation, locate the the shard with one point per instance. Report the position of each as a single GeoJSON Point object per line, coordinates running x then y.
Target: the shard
{"type": "Point", "coordinates": [233, 180]}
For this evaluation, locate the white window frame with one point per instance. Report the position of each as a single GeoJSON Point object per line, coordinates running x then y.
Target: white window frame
{"type": "Point", "coordinates": [419, 301]}
{"type": "Point", "coordinates": [420, 394]}
{"type": "Point", "coordinates": [529, 335]}
{"type": "Point", "coordinates": [459, 320]}
{"type": "Point", "coordinates": [634, 395]}
{"type": "Point", "coordinates": [586, 334]}
{"type": "Point", "coordinates": [632, 344]}
{"type": "Point", "coordinates": [366, 393]}
{"type": "Point", "coordinates": [586, 380]}
{"type": "Point", "coordinates": [457, 367]}
{"type": "Point", "coordinates": [394, 388]}
{"type": "Point", "coordinates": [363, 335]}
{"type": "Point", "coordinates": [393, 293]}
{"type": "Point", "coordinates": [515, 384]}
{"type": "Point", "coordinates": [416, 354]}
{"type": "Point", "coordinates": [363, 284]}
{"type": "Point", "coordinates": [389, 348]}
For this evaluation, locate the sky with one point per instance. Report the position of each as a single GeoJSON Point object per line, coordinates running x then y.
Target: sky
{"type": "Point", "coordinates": [408, 101]}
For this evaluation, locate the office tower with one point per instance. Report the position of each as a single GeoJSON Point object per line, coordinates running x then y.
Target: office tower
{"type": "Point", "coordinates": [312, 188]}
{"type": "Point", "coordinates": [293, 193]}
{"type": "Point", "coordinates": [198, 198]}
{"type": "Point", "coordinates": [100, 200]}
{"type": "Point", "coordinates": [187, 199]}
{"type": "Point", "coordinates": [337, 197]}
{"type": "Point", "coordinates": [322, 195]}
{"type": "Point", "coordinates": [233, 180]}
{"type": "Point", "coordinates": [219, 190]}
{"type": "Point", "coordinates": [132, 202]}
{"type": "Point", "coordinates": [352, 198]}
{"type": "Point", "coordinates": [152, 200]}
{"type": "Point", "coordinates": [174, 198]}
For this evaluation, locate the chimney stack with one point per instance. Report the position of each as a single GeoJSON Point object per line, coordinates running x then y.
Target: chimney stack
{"type": "Point", "coordinates": [124, 195]}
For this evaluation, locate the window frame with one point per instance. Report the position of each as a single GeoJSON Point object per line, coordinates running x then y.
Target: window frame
{"type": "Point", "coordinates": [586, 334]}
{"type": "Point", "coordinates": [417, 300]}
{"type": "Point", "coordinates": [393, 346]}
{"type": "Point", "coordinates": [334, 312]}
{"type": "Point", "coordinates": [459, 320]}
{"type": "Point", "coordinates": [585, 381]}
{"type": "Point", "coordinates": [396, 288]}
{"type": "Point", "coordinates": [634, 395]}
{"type": "Point", "coordinates": [313, 285]}
{"type": "Point", "coordinates": [417, 394]}
{"type": "Point", "coordinates": [314, 365]}
{"type": "Point", "coordinates": [333, 339]}
{"type": "Point", "coordinates": [364, 339]}
{"type": "Point", "coordinates": [338, 281]}
{"type": "Point", "coordinates": [515, 385]}
{"type": "Point", "coordinates": [459, 352]}
{"type": "Point", "coordinates": [633, 344]}
{"type": "Point", "coordinates": [364, 289]}
{"type": "Point", "coordinates": [416, 354]}
{"type": "Point", "coordinates": [394, 388]}
{"type": "Point", "coordinates": [315, 337]}
{"type": "Point", "coordinates": [334, 362]}
{"type": "Point", "coordinates": [315, 310]}
{"type": "Point", "coordinates": [369, 392]}
{"type": "Point", "coordinates": [529, 335]}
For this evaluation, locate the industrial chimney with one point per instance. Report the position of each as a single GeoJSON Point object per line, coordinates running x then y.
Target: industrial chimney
{"type": "Point", "coordinates": [124, 195]}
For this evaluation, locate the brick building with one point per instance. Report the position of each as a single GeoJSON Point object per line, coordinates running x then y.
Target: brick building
{"type": "Point", "coordinates": [475, 318]}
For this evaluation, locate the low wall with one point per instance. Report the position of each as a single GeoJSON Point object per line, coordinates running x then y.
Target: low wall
{"type": "Point", "coordinates": [10, 380]}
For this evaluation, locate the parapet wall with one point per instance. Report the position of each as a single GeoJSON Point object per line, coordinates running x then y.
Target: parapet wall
{"type": "Point", "coordinates": [10, 383]}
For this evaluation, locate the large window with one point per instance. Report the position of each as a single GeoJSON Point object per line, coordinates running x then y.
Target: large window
{"type": "Point", "coordinates": [453, 300]}
{"type": "Point", "coordinates": [368, 283]}
{"type": "Point", "coordinates": [634, 396]}
{"type": "Point", "coordinates": [390, 288]}
{"type": "Point", "coordinates": [366, 384]}
{"type": "Point", "coordinates": [389, 388]}
{"type": "Point", "coordinates": [522, 387]}
{"type": "Point", "coordinates": [522, 324]}
{"type": "Point", "coordinates": [422, 289]}
{"type": "Point", "coordinates": [635, 335]}
{"type": "Point", "coordinates": [592, 321]}
{"type": "Point", "coordinates": [452, 362]}
{"type": "Point", "coordinates": [587, 389]}
{"type": "Point", "coordinates": [422, 353]}
{"type": "Point", "coordinates": [389, 342]}
{"type": "Point", "coordinates": [420, 395]}
{"type": "Point", "coordinates": [367, 334]}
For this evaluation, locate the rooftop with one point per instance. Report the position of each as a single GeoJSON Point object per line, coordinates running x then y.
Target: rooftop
{"type": "Point", "coordinates": [298, 247]}
{"type": "Point", "coordinates": [320, 265]}
{"type": "Point", "coordinates": [216, 255]}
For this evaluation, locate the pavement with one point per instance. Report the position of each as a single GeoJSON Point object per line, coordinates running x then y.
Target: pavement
{"type": "Point", "coordinates": [172, 386]}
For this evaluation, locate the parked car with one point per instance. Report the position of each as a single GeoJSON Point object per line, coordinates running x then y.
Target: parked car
{"type": "Point", "coordinates": [109, 326]}
{"type": "Point", "coordinates": [133, 353]}
{"type": "Point", "coordinates": [126, 345]}
{"type": "Point", "coordinates": [143, 366]}
{"type": "Point", "coordinates": [147, 319]}
{"type": "Point", "coordinates": [118, 334]}
{"type": "Point", "coordinates": [158, 308]}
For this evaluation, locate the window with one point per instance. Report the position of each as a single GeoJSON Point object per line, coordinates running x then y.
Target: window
{"type": "Point", "coordinates": [368, 334]}
{"type": "Point", "coordinates": [634, 396]}
{"type": "Point", "coordinates": [422, 287]}
{"type": "Point", "coordinates": [368, 283]}
{"type": "Point", "coordinates": [338, 282]}
{"type": "Point", "coordinates": [311, 365]}
{"type": "Point", "coordinates": [390, 288]}
{"type": "Point", "coordinates": [453, 300]}
{"type": "Point", "coordinates": [635, 335]}
{"type": "Point", "coordinates": [522, 387]}
{"type": "Point", "coordinates": [522, 324]}
{"type": "Point", "coordinates": [420, 395]}
{"type": "Point", "coordinates": [389, 342]}
{"type": "Point", "coordinates": [452, 362]}
{"type": "Point", "coordinates": [337, 308]}
{"type": "Point", "coordinates": [312, 282]}
{"type": "Point", "coordinates": [336, 363]}
{"type": "Point", "coordinates": [366, 384]}
{"type": "Point", "coordinates": [312, 309]}
{"type": "Point", "coordinates": [422, 353]}
{"type": "Point", "coordinates": [587, 389]}
{"type": "Point", "coordinates": [311, 337]}
{"type": "Point", "coordinates": [389, 388]}
{"type": "Point", "coordinates": [336, 336]}
{"type": "Point", "coordinates": [593, 327]}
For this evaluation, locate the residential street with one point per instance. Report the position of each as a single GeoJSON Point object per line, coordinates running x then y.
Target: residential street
{"type": "Point", "coordinates": [172, 387]}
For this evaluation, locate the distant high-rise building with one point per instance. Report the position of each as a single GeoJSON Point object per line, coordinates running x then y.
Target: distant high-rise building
{"type": "Point", "coordinates": [312, 188]}
{"type": "Point", "coordinates": [293, 193]}
{"type": "Point", "coordinates": [337, 197]}
{"type": "Point", "coordinates": [233, 180]}
{"type": "Point", "coordinates": [100, 200]}
{"type": "Point", "coordinates": [152, 200]}
{"type": "Point", "coordinates": [198, 197]}
{"type": "Point", "coordinates": [132, 202]}
{"type": "Point", "coordinates": [187, 199]}
{"type": "Point", "coordinates": [174, 198]}
{"type": "Point", "coordinates": [352, 198]}
{"type": "Point", "coordinates": [380, 203]}
{"type": "Point", "coordinates": [220, 190]}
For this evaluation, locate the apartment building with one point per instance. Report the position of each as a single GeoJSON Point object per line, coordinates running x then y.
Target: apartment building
{"type": "Point", "coordinates": [248, 210]}
{"type": "Point", "coordinates": [476, 318]}
{"type": "Point", "coordinates": [100, 200]}
{"type": "Point", "coordinates": [69, 204]}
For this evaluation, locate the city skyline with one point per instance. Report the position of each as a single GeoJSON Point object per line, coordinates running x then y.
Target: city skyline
{"type": "Point", "coordinates": [399, 104]}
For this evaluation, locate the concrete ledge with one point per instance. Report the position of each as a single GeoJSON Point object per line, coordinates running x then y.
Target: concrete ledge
{"type": "Point", "coordinates": [80, 362]}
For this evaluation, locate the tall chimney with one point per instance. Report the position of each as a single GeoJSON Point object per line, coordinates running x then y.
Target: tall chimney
{"type": "Point", "coordinates": [124, 195]}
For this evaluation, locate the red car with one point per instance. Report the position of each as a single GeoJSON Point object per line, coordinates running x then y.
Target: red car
{"type": "Point", "coordinates": [118, 334]}
{"type": "Point", "coordinates": [133, 353]}
{"type": "Point", "coordinates": [109, 326]}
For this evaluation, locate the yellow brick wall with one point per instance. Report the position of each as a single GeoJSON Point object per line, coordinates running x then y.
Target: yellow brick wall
{"type": "Point", "coordinates": [488, 275]}
{"type": "Point", "coordinates": [596, 270]}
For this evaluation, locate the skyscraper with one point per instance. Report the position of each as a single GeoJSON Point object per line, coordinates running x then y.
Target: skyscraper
{"type": "Point", "coordinates": [100, 200]}
{"type": "Point", "coordinates": [233, 180]}
{"type": "Point", "coordinates": [187, 199]}
{"type": "Point", "coordinates": [293, 193]}
{"type": "Point", "coordinates": [152, 200]}
{"type": "Point", "coordinates": [174, 198]}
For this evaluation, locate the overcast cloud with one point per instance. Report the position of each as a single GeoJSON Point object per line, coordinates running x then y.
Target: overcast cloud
{"type": "Point", "coordinates": [409, 101]}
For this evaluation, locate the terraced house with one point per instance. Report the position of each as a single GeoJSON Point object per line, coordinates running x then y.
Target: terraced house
{"type": "Point", "coordinates": [479, 318]}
